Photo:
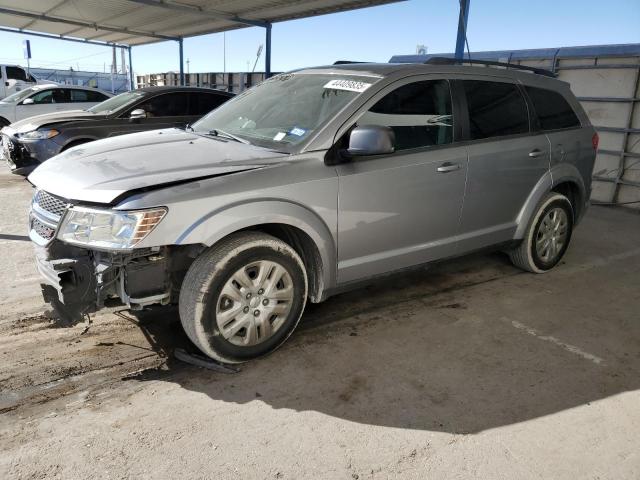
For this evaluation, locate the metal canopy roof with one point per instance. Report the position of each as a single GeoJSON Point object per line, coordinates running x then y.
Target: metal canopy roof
{"type": "Point", "coordinates": [139, 22]}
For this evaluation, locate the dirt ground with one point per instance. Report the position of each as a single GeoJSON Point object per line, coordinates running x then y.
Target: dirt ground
{"type": "Point", "coordinates": [470, 369]}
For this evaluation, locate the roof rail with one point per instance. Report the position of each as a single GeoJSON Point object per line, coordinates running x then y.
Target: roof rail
{"type": "Point", "coordinates": [345, 62]}
{"type": "Point", "coordinates": [453, 61]}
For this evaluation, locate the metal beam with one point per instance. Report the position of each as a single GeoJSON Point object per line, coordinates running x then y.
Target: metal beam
{"type": "Point", "coordinates": [462, 28]}
{"type": "Point", "coordinates": [267, 55]}
{"type": "Point", "coordinates": [131, 82]}
{"type": "Point", "coordinates": [58, 5]}
{"type": "Point", "coordinates": [181, 53]}
{"type": "Point", "coordinates": [195, 10]}
{"type": "Point", "coordinates": [599, 66]}
{"type": "Point", "coordinates": [59, 37]}
{"type": "Point", "coordinates": [609, 99]}
{"type": "Point", "coordinates": [618, 153]}
{"type": "Point", "coordinates": [93, 26]}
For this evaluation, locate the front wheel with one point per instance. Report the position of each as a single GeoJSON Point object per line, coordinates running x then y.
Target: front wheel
{"type": "Point", "coordinates": [547, 236]}
{"type": "Point", "coordinates": [242, 298]}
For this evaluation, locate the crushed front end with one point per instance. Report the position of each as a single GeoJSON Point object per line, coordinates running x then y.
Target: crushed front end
{"type": "Point", "coordinates": [78, 280]}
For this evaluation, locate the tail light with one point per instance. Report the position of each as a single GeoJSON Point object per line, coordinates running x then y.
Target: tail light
{"type": "Point", "coordinates": [595, 140]}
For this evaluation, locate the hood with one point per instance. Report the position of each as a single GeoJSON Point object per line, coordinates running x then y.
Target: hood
{"type": "Point", "coordinates": [38, 121]}
{"type": "Point", "coordinates": [103, 170]}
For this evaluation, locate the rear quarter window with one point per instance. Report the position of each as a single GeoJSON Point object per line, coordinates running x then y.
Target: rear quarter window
{"type": "Point", "coordinates": [552, 109]}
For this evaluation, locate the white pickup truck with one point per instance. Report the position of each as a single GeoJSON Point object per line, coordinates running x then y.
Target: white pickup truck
{"type": "Point", "coordinates": [14, 78]}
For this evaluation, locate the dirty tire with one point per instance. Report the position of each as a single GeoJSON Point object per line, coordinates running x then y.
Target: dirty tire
{"type": "Point", "coordinates": [201, 289]}
{"type": "Point", "coordinates": [525, 255]}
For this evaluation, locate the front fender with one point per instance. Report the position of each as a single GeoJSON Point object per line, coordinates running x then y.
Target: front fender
{"type": "Point", "coordinates": [217, 224]}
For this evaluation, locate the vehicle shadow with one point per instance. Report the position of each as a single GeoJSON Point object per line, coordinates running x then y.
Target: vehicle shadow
{"type": "Point", "coordinates": [418, 352]}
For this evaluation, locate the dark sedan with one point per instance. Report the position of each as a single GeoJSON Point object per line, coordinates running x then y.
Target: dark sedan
{"type": "Point", "coordinates": [29, 142]}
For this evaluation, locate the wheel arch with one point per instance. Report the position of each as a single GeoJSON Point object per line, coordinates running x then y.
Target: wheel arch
{"type": "Point", "coordinates": [568, 181]}
{"type": "Point", "coordinates": [76, 141]}
{"type": "Point", "coordinates": [4, 121]}
{"type": "Point", "coordinates": [294, 224]}
{"type": "Point", "coordinates": [564, 179]}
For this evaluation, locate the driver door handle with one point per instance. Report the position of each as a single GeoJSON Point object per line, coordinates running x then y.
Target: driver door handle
{"type": "Point", "coordinates": [447, 167]}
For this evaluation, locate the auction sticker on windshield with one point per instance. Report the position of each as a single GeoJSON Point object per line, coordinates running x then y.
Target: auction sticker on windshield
{"type": "Point", "coordinates": [349, 85]}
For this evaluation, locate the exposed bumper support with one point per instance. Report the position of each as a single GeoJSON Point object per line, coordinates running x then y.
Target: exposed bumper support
{"type": "Point", "coordinates": [79, 281]}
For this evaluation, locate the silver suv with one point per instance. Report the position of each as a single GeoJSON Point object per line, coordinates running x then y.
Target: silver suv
{"type": "Point", "coordinates": [308, 184]}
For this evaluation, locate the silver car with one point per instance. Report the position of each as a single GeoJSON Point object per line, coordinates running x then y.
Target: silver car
{"type": "Point", "coordinates": [310, 183]}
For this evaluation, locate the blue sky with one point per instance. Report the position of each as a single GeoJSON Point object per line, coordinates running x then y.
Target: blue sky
{"type": "Point", "coordinates": [373, 34]}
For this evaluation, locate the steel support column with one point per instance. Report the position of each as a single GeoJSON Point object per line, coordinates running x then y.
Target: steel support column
{"type": "Point", "coordinates": [180, 46]}
{"type": "Point", "coordinates": [267, 55]}
{"type": "Point", "coordinates": [131, 81]}
{"type": "Point", "coordinates": [462, 28]}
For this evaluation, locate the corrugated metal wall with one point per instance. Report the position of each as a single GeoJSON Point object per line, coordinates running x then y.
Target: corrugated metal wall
{"type": "Point", "coordinates": [606, 80]}
{"type": "Point", "coordinates": [235, 82]}
{"type": "Point", "coordinates": [99, 80]}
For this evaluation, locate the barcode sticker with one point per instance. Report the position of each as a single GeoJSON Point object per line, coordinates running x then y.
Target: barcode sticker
{"type": "Point", "coordinates": [348, 85]}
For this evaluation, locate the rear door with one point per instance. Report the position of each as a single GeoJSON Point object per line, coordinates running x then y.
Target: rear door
{"type": "Point", "coordinates": [402, 209]}
{"type": "Point", "coordinates": [506, 160]}
{"type": "Point", "coordinates": [570, 143]}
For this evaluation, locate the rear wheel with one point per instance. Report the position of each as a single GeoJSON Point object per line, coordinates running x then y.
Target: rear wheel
{"type": "Point", "coordinates": [242, 298]}
{"type": "Point", "coordinates": [547, 237]}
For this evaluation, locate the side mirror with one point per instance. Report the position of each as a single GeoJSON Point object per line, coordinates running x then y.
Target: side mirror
{"type": "Point", "coordinates": [28, 101]}
{"type": "Point", "coordinates": [137, 113]}
{"type": "Point", "coordinates": [371, 140]}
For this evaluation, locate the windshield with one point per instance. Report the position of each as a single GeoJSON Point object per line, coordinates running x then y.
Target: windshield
{"type": "Point", "coordinates": [21, 95]}
{"type": "Point", "coordinates": [284, 110]}
{"type": "Point", "coordinates": [115, 103]}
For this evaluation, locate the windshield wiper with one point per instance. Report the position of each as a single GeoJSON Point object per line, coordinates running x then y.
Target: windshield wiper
{"type": "Point", "coordinates": [216, 132]}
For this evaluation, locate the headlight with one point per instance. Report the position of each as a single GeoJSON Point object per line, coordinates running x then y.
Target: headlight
{"type": "Point", "coordinates": [109, 229]}
{"type": "Point", "coordinates": [39, 134]}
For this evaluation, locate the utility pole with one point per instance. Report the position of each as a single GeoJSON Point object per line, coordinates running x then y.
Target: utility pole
{"type": "Point", "coordinates": [114, 68]}
{"type": "Point", "coordinates": [123, 62]}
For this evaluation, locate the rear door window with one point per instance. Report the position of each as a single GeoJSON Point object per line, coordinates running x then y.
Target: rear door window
{"type": "Point", "coordinates": [79, 96]}
{"type": "Point", "coordinates": [61, 95]}
{"type": "Point", "coordinates": [94, 96]}
{"type": "Point", "coordinates": [552, 109]}
{"type": "Point", "coordinates": [419, 114]}
{"type": "Point", "coordinates": [495, 109]}
{"type": "Point", "coordinates": [166, 105]}
{"type": "Point", "coordinates": [201, 103]}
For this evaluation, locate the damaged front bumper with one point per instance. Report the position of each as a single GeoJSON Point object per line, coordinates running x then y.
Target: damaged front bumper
{"type": "Point", "coordinates": [78, 281]}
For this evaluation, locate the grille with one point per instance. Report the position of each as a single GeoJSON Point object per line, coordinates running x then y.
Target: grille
{"type": "Point", "coordinates": [41, 229]}
{"type": "Point", "coordinates": [49, 203]}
